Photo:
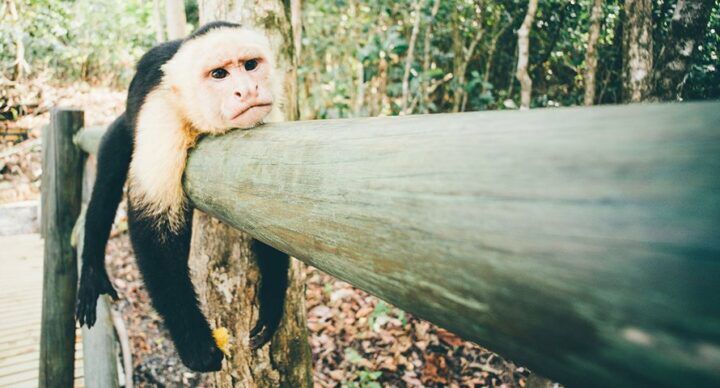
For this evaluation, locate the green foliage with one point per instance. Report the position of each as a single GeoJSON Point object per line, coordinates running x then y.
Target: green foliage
{"type": "Point", "coordinates": [703, 81]}
{"type": "Point", "coordinates": [89, 40]}
{"type": "Point", "coordinates": [382, 313]}
{"type": "Point", "coordinates": [362, 378]}
{"type": "Point", "coordinates": [366, 379]}
{"type": "Point", "coordinates": [354, 52]}
{"type": "Point", "coordinates": [354, 55]}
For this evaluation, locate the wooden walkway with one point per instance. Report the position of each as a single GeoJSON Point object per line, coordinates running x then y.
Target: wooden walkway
{"type": "Point", "coordinates": [21, 261]}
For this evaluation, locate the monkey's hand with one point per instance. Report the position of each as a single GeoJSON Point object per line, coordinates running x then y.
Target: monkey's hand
{"type": "Point", "coordinates": [260, 335]}
{"type": "Point", "coordinates": [197, 346]}
{"type": "Point", "coordinates": [93, 283]}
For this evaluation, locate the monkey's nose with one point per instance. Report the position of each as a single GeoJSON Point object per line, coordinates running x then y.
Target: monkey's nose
{"type": "Point", "coordinates": [244, 93]}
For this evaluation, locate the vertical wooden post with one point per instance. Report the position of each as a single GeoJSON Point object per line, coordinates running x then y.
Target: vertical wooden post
{"type": "Point", "coordinates": [100, 351]}
{"type": "Point", "coordinates": [63, 168]}
{"type": "Point", "coordinates": [43, 180]}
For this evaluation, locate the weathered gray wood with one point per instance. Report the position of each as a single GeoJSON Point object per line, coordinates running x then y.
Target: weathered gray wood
{"type": "Point", "coordinates": [100, 361]}
{"type": "Point", "coordinates": [581, 242]}
{"type": "Point", "coordinates": [43, 180]}
{"type": "Point", "coordinates": [89, 138]}
{"type": "Point", "coordinates": [62, 170]}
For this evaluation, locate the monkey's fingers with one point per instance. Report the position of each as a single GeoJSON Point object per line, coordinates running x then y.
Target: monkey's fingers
{"type": "Point", "coordinates": [86, 301]}
{"type": "Point", "coordinates": [259, 326]}
{"type": "Point", "coordinates": [107, 288]}
{"type": "Point", "coordinates": [85, 312]}
{"type": "Point", "coordinates": [80, 313]}
{"type": "Point", "coordinates": [259, 336]}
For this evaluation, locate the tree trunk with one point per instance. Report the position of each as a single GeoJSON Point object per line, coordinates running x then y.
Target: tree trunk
{"type": "Point", "coordinates": [296, 22]}
{"type": "Point", "coordinates": [159, 23]}
{"type": "Point", "coordinates": [591, 54]}
{"type": "Point", "coordinates": [687, 28]}
{"type": "Point", "coordinates": [637, 50]}
{"type": "Point", "coordinates": [21, 66]}
{"type": "Point", "coordinates": [425, 82]}
{"type": "Point", "coordinates": [176, 19]}
{"type": "Point", "coordinates": [224, 266]}
{"type": "Point", "coordinates": [524, 55]}
{"type": "Point", "coordinates": [410, 57]}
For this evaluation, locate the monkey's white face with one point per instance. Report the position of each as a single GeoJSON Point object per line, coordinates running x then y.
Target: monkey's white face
{"type": "Point", "coordinates": [224, 79]}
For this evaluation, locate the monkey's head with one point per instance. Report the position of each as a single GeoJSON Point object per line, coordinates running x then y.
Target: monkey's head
{"type": "Point", "coordinates": [223, 77]}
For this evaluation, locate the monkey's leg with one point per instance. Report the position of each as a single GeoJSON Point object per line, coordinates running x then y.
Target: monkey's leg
{"type": "Point", "coordinates": [162, 256]}
{"type": "Point", "coordinates": [113, 161]}
{"type": "Point", "coordinates": [274, 267]}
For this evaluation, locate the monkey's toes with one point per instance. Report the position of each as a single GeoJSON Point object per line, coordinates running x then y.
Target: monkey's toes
{"type": "Point", "coordinates": [206, 357]}
{"type": "Point", "coordinates": [259, 336]}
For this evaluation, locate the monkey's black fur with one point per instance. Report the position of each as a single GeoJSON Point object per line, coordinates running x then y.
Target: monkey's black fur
{"type": "Point", "coordinates": [162, 254]}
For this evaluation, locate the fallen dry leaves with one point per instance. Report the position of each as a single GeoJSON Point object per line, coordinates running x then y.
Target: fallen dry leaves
{"type": "Point", "coordinates": [357, 340]}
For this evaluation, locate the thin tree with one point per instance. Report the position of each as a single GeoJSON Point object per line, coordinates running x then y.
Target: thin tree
{"type": "Point", "coordinates": [637, 50]}
{"type": "Point", "coordinates": [591, 54]}
{"type": "Point", "coordinates": [159, 22]}
{"type": "Point", "coordinates": [222, 260]}
{"type": "Point", "coordinates": [424, 98]}
{"type": "Point", "coordinates": [687, 28]}
{"type": "Point", "coordinates": [410, 57]}
{"type": "Point", "coordinates": [296, 22]}
{"type": "Point", "coordinates": [176, 19]}
{"type": "Point", "coordinates": [464, 54]}
{"type": "Point", "coordinates": [21, 66]}
{"type": "Point", "coordinates": [524, 55]}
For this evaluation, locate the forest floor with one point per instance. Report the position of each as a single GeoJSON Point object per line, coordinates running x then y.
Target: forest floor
{"type": "Point", "coordinates": [357, 340]}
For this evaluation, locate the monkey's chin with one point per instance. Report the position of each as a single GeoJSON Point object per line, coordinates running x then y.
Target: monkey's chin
{"type": "Point", "coordinates": [251, 117]}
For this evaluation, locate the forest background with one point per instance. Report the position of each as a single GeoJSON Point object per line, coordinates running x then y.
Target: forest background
{"type": "Point", "coordinates": [379, 57]}
{"type": "Point", "coordinates": [357, 59]}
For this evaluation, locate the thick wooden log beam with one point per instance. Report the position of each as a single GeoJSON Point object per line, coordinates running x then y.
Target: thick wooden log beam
{"type": "Point", "coordinates": [581, 242]}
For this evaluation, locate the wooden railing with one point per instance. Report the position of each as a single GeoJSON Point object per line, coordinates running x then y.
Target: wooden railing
{"type": "Point", "coordinates": [581, 242]}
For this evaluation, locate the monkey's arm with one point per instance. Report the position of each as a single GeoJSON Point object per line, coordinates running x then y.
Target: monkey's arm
{"type": "Point", "coordinates": [274, 267]}
{"type": "Point", "coordinates": [162, 255]}
{"type": "Point", "coordinates": [113, 161]}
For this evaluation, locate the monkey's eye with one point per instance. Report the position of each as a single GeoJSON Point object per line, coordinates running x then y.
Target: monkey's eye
{"type": "Point", "coordinates": [219, 73]}
{"type": "Point", "coordinates": [251, 64]}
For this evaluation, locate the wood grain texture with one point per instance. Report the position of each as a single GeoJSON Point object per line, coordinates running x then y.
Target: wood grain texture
{"type": "Point", "coordinates": [89, 138]}
{"type": "Point", "coordinates": [100, 361]}
{"type": "Point", "coordinates": [581, 242]}
{"type": "Point", "coordinates": [62, 187]}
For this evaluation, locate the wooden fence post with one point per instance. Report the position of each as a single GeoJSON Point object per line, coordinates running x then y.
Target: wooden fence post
{"type": "Point", "coordinates": [62, 167]}
{"type": "Point", "coordinates": [100, 350]}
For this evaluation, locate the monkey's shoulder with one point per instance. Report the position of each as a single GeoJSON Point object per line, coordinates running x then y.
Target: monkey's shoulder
{"type": "Point", "coordinates": [157, 56]}
{"type": "Point", "coordinates": [148, 74]}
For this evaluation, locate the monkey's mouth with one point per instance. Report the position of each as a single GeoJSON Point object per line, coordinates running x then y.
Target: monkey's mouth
{"type": "Point", "coordinates": [247, 109]}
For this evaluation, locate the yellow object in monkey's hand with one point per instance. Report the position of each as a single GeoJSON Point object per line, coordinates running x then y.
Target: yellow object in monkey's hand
{"type": "Point", "coordinates": [222, 339]}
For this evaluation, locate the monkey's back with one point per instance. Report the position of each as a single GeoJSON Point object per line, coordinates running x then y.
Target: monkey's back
{"type": "Point", "coordinates": [148, 74]}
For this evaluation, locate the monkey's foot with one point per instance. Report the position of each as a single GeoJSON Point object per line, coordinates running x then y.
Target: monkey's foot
{"type": "Point", "coordinates": [260, 335]}
{"type": "Point", "coordinates": [200, 355]}
{"type": "Point", "coordinates": [93, 283]}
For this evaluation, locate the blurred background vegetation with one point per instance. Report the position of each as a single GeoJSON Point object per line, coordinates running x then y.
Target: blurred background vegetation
{"type": "Point", "coordinates": [357, 58]}
{"type": "Point", "coordinates": [373, 57]}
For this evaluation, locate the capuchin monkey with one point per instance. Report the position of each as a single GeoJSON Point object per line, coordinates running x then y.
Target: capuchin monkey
{"type": "Point", "coordinates": [222, 76]}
